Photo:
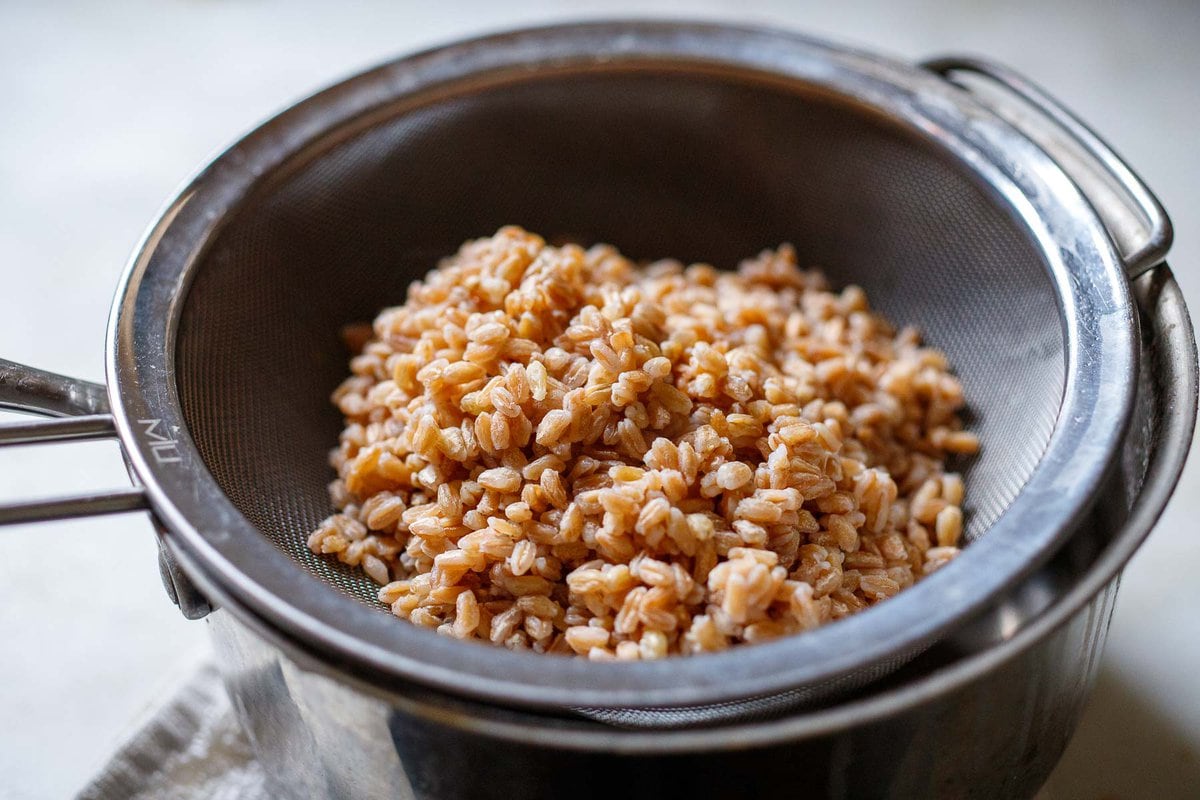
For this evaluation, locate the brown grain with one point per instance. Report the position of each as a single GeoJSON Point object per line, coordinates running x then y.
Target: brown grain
{"type": "Point", "coordinates": [554, 449]}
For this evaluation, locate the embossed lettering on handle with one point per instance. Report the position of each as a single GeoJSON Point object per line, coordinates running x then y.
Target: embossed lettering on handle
{"type": "Point", "coordinates": [162, 445]}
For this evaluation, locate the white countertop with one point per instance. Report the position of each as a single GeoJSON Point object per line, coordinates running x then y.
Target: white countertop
{"type": "Point", "coordinates": [106, 107]}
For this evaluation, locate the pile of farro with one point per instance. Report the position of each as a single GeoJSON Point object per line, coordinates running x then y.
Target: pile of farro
{"type": "Point", "coordinates": [556, 449]}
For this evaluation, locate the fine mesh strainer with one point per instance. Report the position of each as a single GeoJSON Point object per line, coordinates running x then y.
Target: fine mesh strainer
{"type": "Point", "coordinates": [1000, 226]}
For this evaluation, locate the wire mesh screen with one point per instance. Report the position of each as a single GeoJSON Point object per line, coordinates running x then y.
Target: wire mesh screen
{"type": "Point", "coordinates": [657, 164]}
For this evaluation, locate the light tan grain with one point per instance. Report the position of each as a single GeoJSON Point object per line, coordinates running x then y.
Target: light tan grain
{"type": "Point", "coordinates": [550, 448]}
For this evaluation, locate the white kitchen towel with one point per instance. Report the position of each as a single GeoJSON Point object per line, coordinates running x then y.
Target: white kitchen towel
{"type": "Point", "coordinates": [191, 749]}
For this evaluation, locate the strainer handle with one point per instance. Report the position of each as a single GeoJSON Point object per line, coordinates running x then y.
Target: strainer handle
{"type": "Point", "coordinates": [1133, 216]}
{"type": "Point", "coordinates": [82, 411]}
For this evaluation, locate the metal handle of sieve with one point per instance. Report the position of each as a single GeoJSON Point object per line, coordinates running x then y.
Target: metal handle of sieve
{"type": "Point", "coordinates": [1135, 219]}
{"type": "Point", "coordinates": [80, 412]}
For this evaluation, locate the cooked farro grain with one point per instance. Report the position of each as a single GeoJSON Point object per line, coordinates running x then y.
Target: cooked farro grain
{"type": "Point", "coordinates": [552, 448]}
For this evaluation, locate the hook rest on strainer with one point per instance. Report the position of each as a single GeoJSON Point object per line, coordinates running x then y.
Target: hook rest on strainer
{"type": "Point", "coordinates": [1131, 212]}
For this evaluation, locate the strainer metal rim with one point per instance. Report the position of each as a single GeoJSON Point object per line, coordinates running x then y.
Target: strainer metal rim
{"type": "Point", "coordinates": [237, 564]}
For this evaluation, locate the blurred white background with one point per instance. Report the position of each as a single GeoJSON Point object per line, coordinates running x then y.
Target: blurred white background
{"type": "Point", "coordinates": [106, 107]}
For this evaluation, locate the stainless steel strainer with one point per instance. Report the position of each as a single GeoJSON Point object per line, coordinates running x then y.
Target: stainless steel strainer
{"type": "Point", "coordinates": [994, 221]}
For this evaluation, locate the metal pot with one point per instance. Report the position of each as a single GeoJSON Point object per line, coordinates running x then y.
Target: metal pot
{"type": "Point", "coordinates": [342, 701]}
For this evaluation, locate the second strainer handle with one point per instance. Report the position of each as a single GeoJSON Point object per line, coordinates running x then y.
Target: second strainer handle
{"type": "Point", "coordinates": [1133, 216]}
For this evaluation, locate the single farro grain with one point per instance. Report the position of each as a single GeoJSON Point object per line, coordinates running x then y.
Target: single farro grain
{"type": "Point", "coordinates": [550, 448]}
